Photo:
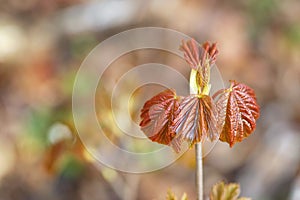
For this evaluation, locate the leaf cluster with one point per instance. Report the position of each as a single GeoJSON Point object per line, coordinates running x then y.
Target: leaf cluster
{"type": "Point", "coordinates": [229, 115]}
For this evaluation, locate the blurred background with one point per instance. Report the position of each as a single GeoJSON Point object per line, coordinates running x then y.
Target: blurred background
{"type": "Point", "coordinates": [43, 43]}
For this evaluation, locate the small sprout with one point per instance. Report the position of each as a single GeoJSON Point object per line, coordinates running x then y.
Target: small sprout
{"type": "Point", "coordinates": [172, 196]}
{"type": "Point", "coordinates": [222, 191]}
{"type": "Point", "coordinates": [230, 114]}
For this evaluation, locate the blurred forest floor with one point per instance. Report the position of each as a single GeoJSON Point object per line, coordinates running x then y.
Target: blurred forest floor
{"type": "Point", "coordinates": [43, 43]}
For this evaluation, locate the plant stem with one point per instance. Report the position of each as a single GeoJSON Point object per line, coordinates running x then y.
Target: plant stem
{"type": "Point", "coordinates": [198, 146]}
{"type": "Point", "coordinates": [199, 171]}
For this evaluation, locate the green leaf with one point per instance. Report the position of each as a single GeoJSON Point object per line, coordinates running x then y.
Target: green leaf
{"type": "Point", "coordinates": [172, 196]}
{"type": "Point", "coordinates": [222, 191]}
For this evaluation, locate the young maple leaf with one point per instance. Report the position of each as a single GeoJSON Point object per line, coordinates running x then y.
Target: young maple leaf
{"type": "Point", "coordinates": [196, 55]}
{"type": "Point", "coordinates": [238, 111]}
{"type": "Point", "coordinates": [200, 59]}
{"type": "Point", "coordinates": [191, 53]}
{"type": "Point", "coordinates": [158, 115]}
{"type": "Point", "coordinates": [197, 119]}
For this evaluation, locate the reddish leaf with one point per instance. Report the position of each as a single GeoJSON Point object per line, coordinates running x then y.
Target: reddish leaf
{"type": "Point", "coordinates": [197, 119]}
{"type": "Point", "coordinates": [157, 116]}
{"type": "Point", "coordinates": [210, 53]}
{"type": "Point", "coordinates": [200, 58]}
{"type": "Point", "coordinates": [238, 111]}
{"type": "Point", "coordinates": [191, 53]}
{"type": "Point", "coordinates": [197, 56]}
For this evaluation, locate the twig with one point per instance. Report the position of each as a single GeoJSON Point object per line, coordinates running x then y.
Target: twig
{"type": "Point", "coordinates": [199, 171]}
